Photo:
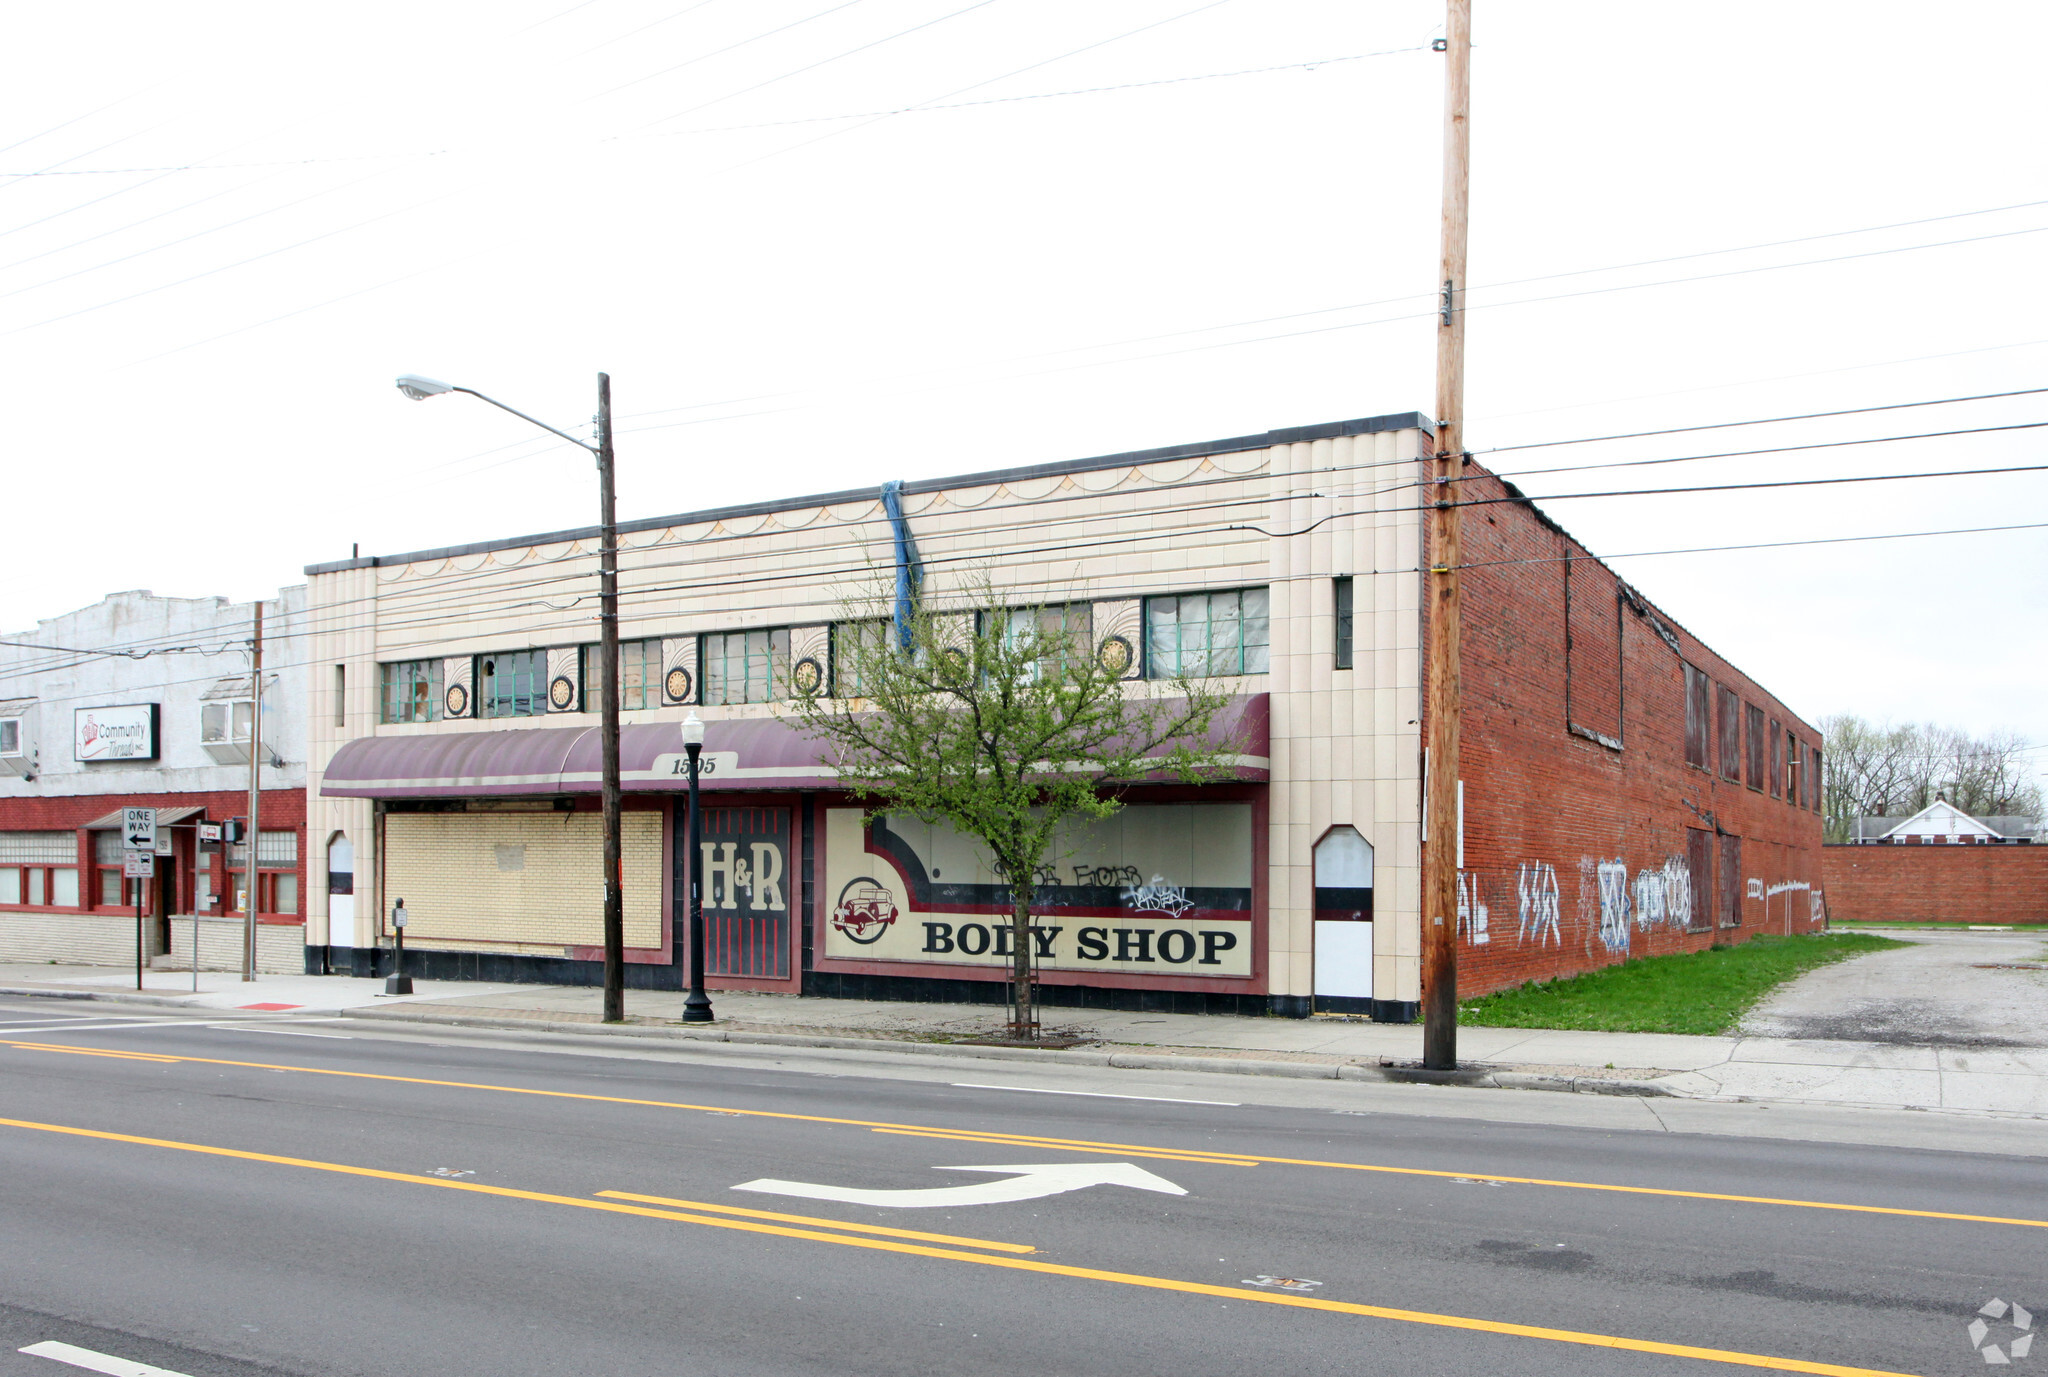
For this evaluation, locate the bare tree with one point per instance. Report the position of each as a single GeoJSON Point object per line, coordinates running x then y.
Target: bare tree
{"type": "Point", "coordinates": [1882, 770]}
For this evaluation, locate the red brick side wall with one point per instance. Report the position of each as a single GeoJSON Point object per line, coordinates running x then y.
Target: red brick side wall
{"type": "Point", "coordinates": [283, 809]}
{"type": "Point", "coordinates": [1576, 853]}
{"type": "Point", "coordinates": [1936, 884]}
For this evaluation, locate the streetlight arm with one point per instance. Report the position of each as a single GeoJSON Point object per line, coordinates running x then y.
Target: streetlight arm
{"type": "Point", "coordinates": [524, 417]}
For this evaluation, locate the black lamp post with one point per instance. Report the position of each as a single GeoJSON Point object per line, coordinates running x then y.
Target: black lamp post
{"type": "Point", "coordinates": [697, 1005]}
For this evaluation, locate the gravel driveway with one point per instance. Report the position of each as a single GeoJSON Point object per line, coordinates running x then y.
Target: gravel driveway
{"type": "Point", "coordinates": [1949, 989]}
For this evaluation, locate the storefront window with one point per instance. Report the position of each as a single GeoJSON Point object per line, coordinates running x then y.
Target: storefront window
{"type": "Point", "coordinates": [111, 887]}
{"type": "Point", "coordinates": [43, 867]}
{"type": "Point", "coordinates": [277, 860]}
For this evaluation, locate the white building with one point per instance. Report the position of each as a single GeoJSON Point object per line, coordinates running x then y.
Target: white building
{"type": "Point", "coordinates": [144, 701]}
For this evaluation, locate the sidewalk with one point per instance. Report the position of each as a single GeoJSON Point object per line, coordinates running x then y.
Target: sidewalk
{"type": "Point", "coordinates": [2004, 1080]}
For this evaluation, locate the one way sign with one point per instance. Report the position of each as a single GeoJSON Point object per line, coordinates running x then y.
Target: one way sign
{"type": "Point", "coordinates": [138, 829]}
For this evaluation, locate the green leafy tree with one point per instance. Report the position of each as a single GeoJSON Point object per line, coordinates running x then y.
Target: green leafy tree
{"type": "Point", "coordinates": [1007, 724]}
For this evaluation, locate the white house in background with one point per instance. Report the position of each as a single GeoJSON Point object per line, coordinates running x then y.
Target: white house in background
{"type": "Point", "coordinates": [1943, 822]}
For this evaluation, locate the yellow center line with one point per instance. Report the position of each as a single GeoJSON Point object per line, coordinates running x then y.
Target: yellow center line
{"type": "Point", "coordinates": [1138, 1279]}
{"type": "Point", "coordinates": [827, 1223]}
{"type": "Point", "coordinates": [1025, 1140]}
{"type": "Point", "coordinates": [1064, 1147]}
{"type": "Point", "coordinates": [116, 1053]}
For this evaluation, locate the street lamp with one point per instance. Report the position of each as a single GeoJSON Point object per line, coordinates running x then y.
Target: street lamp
{"type": "Point", "coordinates": [697, 1004]}
{"type": "Point", "coordinates": [419, 389]}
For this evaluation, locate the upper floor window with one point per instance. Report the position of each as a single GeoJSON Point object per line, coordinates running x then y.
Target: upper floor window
{"type": "Point", "coordinates": [1818, 779]}
{"type": "Point", "coordinates": [1792, 770]}
{"type": "Point", "coordinates": [745, 666]}
{"type": "Point", "coordinates": [639, 676]}
{"type": "Point", "coordinates": [855, 644]}
{"type": "Point", "coordinates": [412, 691]}
{"type": "Point", "coordinates": [1062, 629]}
{"type": "Point", "coordinates": [514, 683]}
{"type": "Point", "coordinates": [1342, 589]}
{"type": "Point", "coordinates": [1754, 740]}
{"type": "Point", "coordinates": [1731, 733]}
{"type": "Point", "coordinates": [1697, 719]}
{"type": "Point", "coordinates": [1206, 634]}
{"type": "Point", "coordinates": [10, 736]}
{"type": "Point", "coordinates": [1777, 770]}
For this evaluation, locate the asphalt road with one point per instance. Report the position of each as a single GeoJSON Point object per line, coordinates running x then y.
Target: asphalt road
{"type": "Point", "coordinates": [306, 1197]}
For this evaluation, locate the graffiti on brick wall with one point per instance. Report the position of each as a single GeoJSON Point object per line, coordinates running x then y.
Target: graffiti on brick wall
{"type": "Point", "coordinates": [1663, 896]}
{"type": "Point", "coordinates": [1613, 903]}
{"type": "Point", "coordinates": [1472, 913]}
{"type": "Point", "coordinates": [1610, 878]}
{"type": "Point", "coordinates": [1536, 892]}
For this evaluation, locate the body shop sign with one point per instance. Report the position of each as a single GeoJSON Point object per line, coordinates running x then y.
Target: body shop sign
{"type": "Point", "coordinates": [1157, 889]}
{"type": "Point", "coordinates": [117, 733]}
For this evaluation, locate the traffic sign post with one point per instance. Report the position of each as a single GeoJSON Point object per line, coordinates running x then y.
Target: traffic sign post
{"type": "Point", "coordinates": [137, 866]}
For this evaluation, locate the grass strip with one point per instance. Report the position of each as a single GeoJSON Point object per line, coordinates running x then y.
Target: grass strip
{"type": "Point", "coordinates": [1701, 992]}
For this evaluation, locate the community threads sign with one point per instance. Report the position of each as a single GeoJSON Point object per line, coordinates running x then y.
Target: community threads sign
{"type": "Point", "coordinates": [118, 733]}
{"type": "Point", "coordinates": [1156, 889]}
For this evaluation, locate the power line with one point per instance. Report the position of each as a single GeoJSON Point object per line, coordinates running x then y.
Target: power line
{"type": "Point", "coordinates": [1773, 449]}
{"type": "Point", "coordinates": [822, 62]}
{"type": "Point", "coordinates": [1764, 545]}
{"type": "Point", "coordinates": [225, 267]}
{"type": "Point", "coordinates": [989, 81]}
{"type": "Point", "coordinates": [1764, 421]}
{"type": "Point", "coordinates": [702, 57]}
{"type": "Point", "coordinates": [1743, 487]}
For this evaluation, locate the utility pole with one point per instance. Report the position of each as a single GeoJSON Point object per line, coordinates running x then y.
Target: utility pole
{"type": "Point", "coordinates": [608, 652]}
{"type": "Point", "coordinates": [253, 844]}
{"type": "Point", "coordinates": [1440, 801]}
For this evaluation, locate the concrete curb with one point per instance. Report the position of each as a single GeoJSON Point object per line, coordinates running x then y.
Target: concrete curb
{"type": "Point", "coordinates": [1472, 1078]}
{"type": "Point", "coordinates": [1128, 1061]}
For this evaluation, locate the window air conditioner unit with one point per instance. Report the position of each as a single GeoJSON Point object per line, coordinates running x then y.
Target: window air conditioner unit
{"type": "Point", "coordinates": [224, 728]}
{"type": "Point", "coordinates": [17, 756]}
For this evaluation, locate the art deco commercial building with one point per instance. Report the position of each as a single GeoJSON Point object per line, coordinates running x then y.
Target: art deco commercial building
{"type": "Point", "coordinates": [1625, 790]}
{"type": "Point", "coordinates": [141, 701]}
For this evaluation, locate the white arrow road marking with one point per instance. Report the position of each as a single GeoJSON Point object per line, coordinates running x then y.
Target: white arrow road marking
{"type": "Point", "coordinates": [96, 1362]}
{"type": "Point", "coordinates": [1026, 1183]}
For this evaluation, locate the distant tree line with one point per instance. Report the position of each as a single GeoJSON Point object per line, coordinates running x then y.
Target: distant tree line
{"type": "Point", "coordinates": [1880, 770]}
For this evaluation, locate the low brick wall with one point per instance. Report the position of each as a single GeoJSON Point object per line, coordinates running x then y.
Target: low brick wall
{"type": "Point", "coordinates": [107, 939]}
{"type": "Point", "coordinates": [280, 947]}
{"type": "Point", "coordinates": [1936, 884]}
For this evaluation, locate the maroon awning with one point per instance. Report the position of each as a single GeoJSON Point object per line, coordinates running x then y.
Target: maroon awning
{"type": "Point", "coordinates": [741, 753]}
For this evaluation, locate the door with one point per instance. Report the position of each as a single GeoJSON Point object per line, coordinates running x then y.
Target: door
{"type": "Point", "coordinates": [1343, 915]}
{"type": "Point", "coordinates": [744, 858]}
{"type": "Point", "coordinates": [341, 892]}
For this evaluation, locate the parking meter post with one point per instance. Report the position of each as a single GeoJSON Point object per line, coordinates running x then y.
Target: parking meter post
{"type": "Point", "coordinates": [398, 983]}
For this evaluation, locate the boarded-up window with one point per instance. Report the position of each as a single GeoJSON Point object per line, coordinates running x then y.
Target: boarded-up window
{"type": "Point", "coordinates": [1818, 780]}
{"type": "Point", "coordinates": [1792, 771]}
{"type": "Point", "coordinates": [1753, 738]}
{"type": "Point", "coordinates": [1697, 721]}
{"type": "Point", "coordinates": [1699, 866]}
{"type": "Point", "coordinates": [1731, 733]}
{"type": "Point", "coordinates": [1777, 758]}
{"type": "Point", "coordinates": [1731, 881]}
{"type": "Point", "coordinates": [1592, 652]}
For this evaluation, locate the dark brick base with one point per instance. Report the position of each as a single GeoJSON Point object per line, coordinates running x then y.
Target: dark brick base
{"type": "Point", "coordinates": [922, 990]}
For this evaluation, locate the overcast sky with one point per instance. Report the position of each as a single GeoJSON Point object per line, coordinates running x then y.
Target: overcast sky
{"type": "Point", "coordinates": [823, 243]}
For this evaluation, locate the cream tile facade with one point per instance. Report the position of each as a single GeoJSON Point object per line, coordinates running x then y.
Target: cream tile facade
{"type": "Point", "coordinates": [1288, 512]}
